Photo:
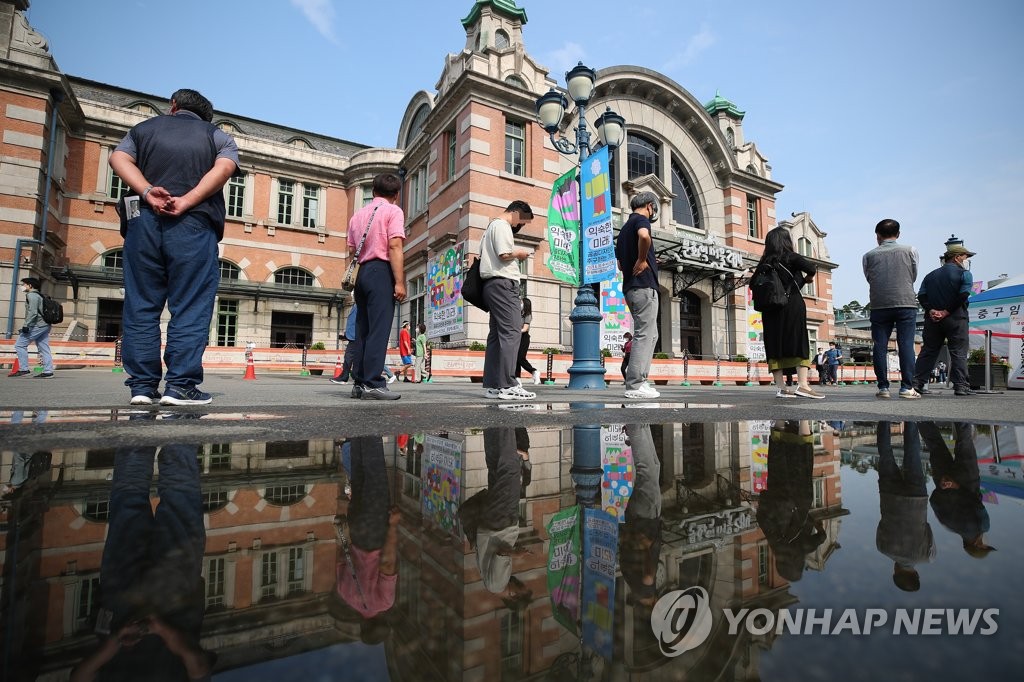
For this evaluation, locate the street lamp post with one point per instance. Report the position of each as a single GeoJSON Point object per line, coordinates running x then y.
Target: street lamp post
{"type": "Point", "coordinates": [586, 371]}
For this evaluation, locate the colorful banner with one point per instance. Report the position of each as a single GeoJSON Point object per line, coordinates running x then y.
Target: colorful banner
{"type": "Point", "coordinates": [615, 317]}
{"type": "Point", "coordinates": [564, 567]}
{"type": "Point", "coordinates": [444, 289]}
{"type": "Point", "coordinates": [760, 430]}
{"type": "Point", "coordinates": [619, 472]}
{"type": "Point", "coordinates": [600, 556]}
{"type": "Point", "coordinates": [755, 332]}
{"type": "Point", "coordinates": [441, 483]}
{"type": "Point", "coordinates": [564, 229]}
{"type": "Point", "coordinates": [598, 239]}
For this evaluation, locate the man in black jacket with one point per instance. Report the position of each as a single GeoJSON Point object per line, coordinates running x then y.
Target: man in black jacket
{"type": "Point", "coordinates": [943, 295]}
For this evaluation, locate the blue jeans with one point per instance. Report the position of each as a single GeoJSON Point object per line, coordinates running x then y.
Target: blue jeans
{"type": "Point", "coordinates": [173, 262]}
{"type": "Point", "coordinates": [39, 335]}
{"type": "Point", "coordinates": [882, 323]}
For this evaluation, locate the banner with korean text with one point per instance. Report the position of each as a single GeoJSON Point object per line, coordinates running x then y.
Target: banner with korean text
{"type": "Point", "coordinates": [564, 229]}
{"type": "Point", "coordinates": [444, 291]}
{"type": "Point", "coordinates": [598, 238]}
{"type": "Point", "coordinates": [563, 570]}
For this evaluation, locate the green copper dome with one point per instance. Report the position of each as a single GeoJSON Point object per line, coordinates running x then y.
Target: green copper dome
{"type": "Point", "coordinates": [720, 103]}
{"type": "Point", "coordinates": [507, 7]}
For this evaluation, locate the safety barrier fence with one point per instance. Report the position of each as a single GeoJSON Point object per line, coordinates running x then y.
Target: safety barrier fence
{"type": "Point", "coordinates": [447, 362]}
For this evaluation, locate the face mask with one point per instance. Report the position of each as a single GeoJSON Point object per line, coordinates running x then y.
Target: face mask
{"type": "Point", "coordinates": [654, 212]}
{"type": "Point", "coordinates": [517, 227]}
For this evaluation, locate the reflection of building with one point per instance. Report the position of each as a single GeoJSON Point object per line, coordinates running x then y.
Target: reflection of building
{"type": "Point", "coordinates": [464, 149]}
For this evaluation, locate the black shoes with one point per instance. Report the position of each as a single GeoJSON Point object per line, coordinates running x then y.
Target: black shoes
{"type": "Point", "coordinates": [962, 391]}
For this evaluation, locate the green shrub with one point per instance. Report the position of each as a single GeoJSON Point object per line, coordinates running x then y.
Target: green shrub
{"type": "Point", "coordinates": [476, 345]}
{"type": "Point", "coordinates": [319, 345]}
{"type": "Point", "coordinates": [606, 353]}
{"type": "Point", "coordinates": [551, 350]}
{"type": "Point", "coordinates": [739, 358]}
{"type": "Point", "coordinates": [661, 356]}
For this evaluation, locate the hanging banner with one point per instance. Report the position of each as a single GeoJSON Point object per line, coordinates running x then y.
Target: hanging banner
{"type": "Point", "coordinates": [755, 331]}
{"type": "Point", "coordinates": [442, 484]}
{"type": "Point", "coordinates": [564, 229]}
{"type": "Point", "coordinates": [615, 317]}
{"type": "Point", "coordinates": [598, 239]}
{"type": "Point", "coordinates": [564, 567]}
{"type": "Point", "coordinates": [600, 553]}
{"type": "Point", "coordinates": [618, 479]}
{"type": "Point", "coordinates": [759, 433]}
{"type": "Point", "coordinates": [444, 289]}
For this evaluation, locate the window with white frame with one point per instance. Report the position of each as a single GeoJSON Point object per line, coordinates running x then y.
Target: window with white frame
{"type": "Point", "coordinates": [752, 227]}
{"type": "Point", "coordinates": [236, 196]}
{"type": "Point", "coordinates": [268, 576]}
{"type": "Point", "coordinates": [643, 156]}
{"type": "Point", "coordinates": [215, 583]}
{"type": "Point", "coordinates": [285, 201]}
{"type": "Point", "coordinates": [512, 641]}
{"type": "Point", "coordinates": [819, 493]}
{"type": "Point", "coordinates": [367, 195]}
{"type": "Point", "coordinates": [684, 205]}
{"type": "Point", "coordinates": [283, 572]}
{"type": "Point", "coordinates": [87, 599]}
{"type": "Point", "coordinates": [515, 148]}
{"type": "Point", "coordinates": [450, 141]}
{"type": "Point", "coordinates": [417, 302]}
{"type": "Point", "coordinates": [296, 570]}
{"type": "Point", "coordinates": [310, 205]}
{"type": "Point", "coordinates": [118, 187]}
{"type": "Point", "coordinates": [227, 322]}
{"type": "Point", "coordinates": [418, 196]}
{"type": "Point", "coordinates": [114, 259]}
{"type": "Point", "coordinates": [294, 277]}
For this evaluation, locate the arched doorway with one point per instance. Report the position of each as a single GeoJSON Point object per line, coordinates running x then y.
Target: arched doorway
{"type": "Point", "coordinates": [689, 323]}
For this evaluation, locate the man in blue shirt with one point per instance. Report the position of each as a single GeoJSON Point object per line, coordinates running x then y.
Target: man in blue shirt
{"type": "Point", "coordinates": [832, 357]}
{"type": "Point", "coordinates": [943, 295]}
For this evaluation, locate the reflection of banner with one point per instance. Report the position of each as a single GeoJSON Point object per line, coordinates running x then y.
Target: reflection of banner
{"type": "Point", "coordinates": [755, 331]}
{"type": "Point", "coordinates": [442, 483]}
{"type": "Point", "coordinates": [444, 289]}
{"type": "Point", "coordinates": [564, 567]}
{"type": "Point", "coordinates": [615, 317]}
{"type": "Point", "coordinates": [598, 240]}
{"type": "Point", "coordinates": [617, 462]}
{"type": "Point", "coordinates": [600, 544]}
{"type": "Point", "coordinates": [759, 432]}
{"type": "Point", "coordinates": [564, 229]}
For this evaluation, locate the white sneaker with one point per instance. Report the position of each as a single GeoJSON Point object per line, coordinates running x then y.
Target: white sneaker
{"type": "Point", "coordinates": [392, 378]}
{"type": "Point", "coordinates": [536, 377]}
{"type": "Point", "coordinates": [519, 383]}
{"type": "Point", "coordinates": [785, 393]}
{"type": "Point", "coordinates": [515, 393]}
{"type": "Point", "coordinates": [643, 391]}
{"type": "Point", "coordinates": [491, 393]}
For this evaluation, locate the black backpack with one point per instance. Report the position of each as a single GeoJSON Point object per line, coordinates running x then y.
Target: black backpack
{"type": "Point", "coordinates": [53, 312]}
{"type": "Point", "coordinates": [473, 287]}
{"type": "Point", "coordinates": [768, 289]}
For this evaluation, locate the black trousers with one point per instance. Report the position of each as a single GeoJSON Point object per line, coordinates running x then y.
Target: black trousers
{"type": "Point", "coordinates": [521, 362]}
{"type": "Point", "coordinates": [375, 296]}
{"type": "Point", "coordinates": [953, 331]}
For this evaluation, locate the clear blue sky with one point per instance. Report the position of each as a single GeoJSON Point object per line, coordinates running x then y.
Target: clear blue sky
{"type": "Point", "coordinates": [869, 109]}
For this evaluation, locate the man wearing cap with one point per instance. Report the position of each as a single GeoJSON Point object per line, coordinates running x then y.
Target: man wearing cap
{"type": "Point", "coordinates": [891, 270]}
{"type": "Point", "coordinates": [635, 254]}
{"type": "Point", "coordinates": [943, 295]}
{"type": "Point", "coordinates": [35, 330]}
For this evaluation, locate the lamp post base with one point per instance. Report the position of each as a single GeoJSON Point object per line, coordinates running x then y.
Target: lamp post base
{"type": "Point", "coordinates": [586, 371]}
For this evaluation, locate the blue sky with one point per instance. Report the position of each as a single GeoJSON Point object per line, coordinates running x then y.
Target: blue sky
{"type": "Point", "coordinates": [866, 110]}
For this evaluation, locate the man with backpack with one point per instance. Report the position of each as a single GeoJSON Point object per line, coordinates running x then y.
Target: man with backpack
{"type": "Point", "coordinates": [35, 330]}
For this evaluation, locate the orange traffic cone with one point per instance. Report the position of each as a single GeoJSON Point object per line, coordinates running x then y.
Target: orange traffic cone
{"type": "Point", "coordinates": [15, 368]}
{"type": "Point", "coordinates": [250, 367]}
{"type": "Point", "coordinates": [337, 369]}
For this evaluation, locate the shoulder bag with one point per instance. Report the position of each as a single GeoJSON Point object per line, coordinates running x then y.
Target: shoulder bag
{"type": "Point", "coordinates": [348, 282]}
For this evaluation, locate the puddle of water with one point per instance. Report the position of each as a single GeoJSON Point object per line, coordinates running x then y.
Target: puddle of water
{"type": "Point", "coordinates": [750, 549]}
{"type": "Point", "coordinates": [122, 414]}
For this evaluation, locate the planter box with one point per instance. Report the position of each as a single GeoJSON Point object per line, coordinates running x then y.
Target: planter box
{"type": "Point", "coordinates": [976, 376]}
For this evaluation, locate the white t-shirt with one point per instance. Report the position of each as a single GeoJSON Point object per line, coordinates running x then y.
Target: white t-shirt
{"type": "Point", "coordinates": [497, 240]}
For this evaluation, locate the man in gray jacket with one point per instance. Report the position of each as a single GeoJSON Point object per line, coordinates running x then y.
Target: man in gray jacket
{"type": "Point", "coordinates": [35, 330]}
{"type": "Point", "coordinates": [891, 270]}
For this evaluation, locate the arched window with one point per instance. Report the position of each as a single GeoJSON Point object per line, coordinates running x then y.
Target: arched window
{"type": "Point", "coordinates": [501, 40]}
{"type": "Point", "coordinates": [285, 495]}
{"type": "Point", "coordinates": [730, 137]}
{"type": "Point", "coordinates": [516, 82]}
{"type": "Point", "coordinates": [294, 277]}
{"type": "Point", "coordinates": [751, 169]}
{"type": "Point", "coordinates": [229, 270]}
{"type": "Point", "coordinates": [418, 120]}
{"type": "Point", "coordinates": [642, 156]}
{"type": "Point", "coordinates": [685, 210]}
{"type": "Point", "coordinates": [114, 259]}
{"type": "Point", "coordinates": [300, 143]}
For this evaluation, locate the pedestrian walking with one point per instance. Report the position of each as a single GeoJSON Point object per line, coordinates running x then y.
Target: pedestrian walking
{"type": "Point", "coordinates": [943, 295]}
{"type": "Point", "coordinates": [891, 271]}
{"type": "Point", "coordinates": [405, 352]}
{"type": "Point", "coordinates": [832, 357]}
{"type": "Point", "coordinates": [177, 164]}
{"type": "Point", "coordinates": [635, 255]}
{"type": "Point", "coordinates": [499, 269]}
{"type": "Point", "coordinates": [35, 330]}
{"type": "Point", "coordinates": [785, 328]}
{"type": "Point", "coordinates": [421, 353]}
{"type": "Point", "coordinates": [376, 237]}
{"type": "Point", "coordinates": [821, 367]}
{"type": "Point", "coordinates": [522, 362]}
{"type": "Point", "coordinates": [942, 373]}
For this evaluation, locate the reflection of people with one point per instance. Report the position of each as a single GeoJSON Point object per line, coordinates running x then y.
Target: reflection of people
{"type": "Point", "coordinates": [783, 512]}
{"type": "Point", "coordinates": [151, 572]}
{"type": "Point", "coordinates": [490, 518]}
{"type": "Point", "coordinates": [367, 568]}
{"type": "Point", "coordinates": [177, 165]}
{"type": "Point", "coordinates": [25, 466]}
{"type": "Point", "coordinates": [640, 535]}
{"type": "Point", "coordinates": [903, 532]}
{"type": "Point", "coordinates": [956, 499]}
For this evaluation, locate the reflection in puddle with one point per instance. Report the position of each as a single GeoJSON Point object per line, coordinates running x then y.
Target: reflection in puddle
{"type": "Point", "coordinates": [760, 549]}
{"type": "Point", "coordinates": [124, 414]}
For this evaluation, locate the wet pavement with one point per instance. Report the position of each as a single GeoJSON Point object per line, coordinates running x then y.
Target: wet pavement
{"type": "Point", "coordinates": [287, 532]}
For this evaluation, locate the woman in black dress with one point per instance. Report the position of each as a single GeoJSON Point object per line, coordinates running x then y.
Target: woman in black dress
{"type": "Point", "coordinates": [785, 329]}
{"type": "Point", "coordinates": [524, 344]}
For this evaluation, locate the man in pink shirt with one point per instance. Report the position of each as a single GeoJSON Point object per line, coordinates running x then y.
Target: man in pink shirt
{"type": "Point", "coordinates": [380, 282]}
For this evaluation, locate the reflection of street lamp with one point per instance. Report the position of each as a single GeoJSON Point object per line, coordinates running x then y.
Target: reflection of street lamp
{"type": "Point", "coordinates": [586, 370]}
